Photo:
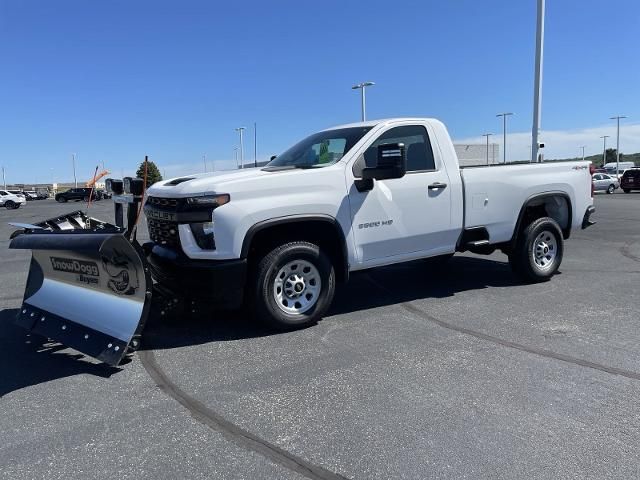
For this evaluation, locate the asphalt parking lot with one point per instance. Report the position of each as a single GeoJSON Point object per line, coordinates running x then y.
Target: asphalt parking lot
{"type": "Point", "coordinates": [417, 373]}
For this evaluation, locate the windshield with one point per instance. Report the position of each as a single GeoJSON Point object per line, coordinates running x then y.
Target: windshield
{"type": "Point", "coordinates": [320, 149]}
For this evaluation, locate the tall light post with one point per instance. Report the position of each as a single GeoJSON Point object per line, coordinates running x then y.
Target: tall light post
{"type": "Point", "coordinates": [73, 161]}
{"type": "Point", "coordinates": [504, 116]}
{"type": "Point", "coordinates": [4, 180]}
{"type": "Point", "coordinates": [362, 87]}
{"type": "Point", "coordinates": [240, 130]}
{"type": "Point", "coordinates": [617, 119]}
{"type": "Point", "coordinates": [537, 88]}
{"type": "Point", "coordinates": [604, 149]}
{"type": "Point", "coordinates": [583, 147]}
{"type": "Point", "coordinates": [204, 161]}
{"type": "Point", "coordinates": [235, 153]}
{"type": "Point", "coordinates": [487, 135]}
{"type": "Point", "coordinates": [255, 144]}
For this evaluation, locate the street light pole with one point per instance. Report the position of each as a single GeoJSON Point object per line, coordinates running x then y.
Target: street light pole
{"type": "Point", "coordinates": [583, 147]}
{"type": "Point", "coordinates": [604, 149]}
{"type": "Point", "coordinates": [204, 161]}
{"type": "Point", "coordinates": [240, 130]}
{"type": "Point", "coordinates": [487, 135]}
{"type": "Point", "coordinates": [4, 180]}
{"type": "Point", "coordinates": [537, 89]}
{"type": "Point", "coordinates": [255, 144]}
{"type": "Point", "coordinates": [235, 153]}
{"type": "Point", "coordinates": [73, 161]}
{"type": "Point", "coordinates": [363, 107]}
{"type": "Point", "coordinates": [617, 118]}
{"type": "Point", "coordinates": [504, 116]}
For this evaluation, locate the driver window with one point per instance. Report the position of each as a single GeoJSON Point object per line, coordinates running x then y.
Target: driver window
{"type": "Point", "coordinates": [417, 145]}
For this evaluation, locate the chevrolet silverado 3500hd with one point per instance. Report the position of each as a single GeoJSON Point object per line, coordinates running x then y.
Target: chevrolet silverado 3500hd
{"type": "Point", "coordinates": [279, 238]}
{"type": "Point", "coordinates": [350, 198]}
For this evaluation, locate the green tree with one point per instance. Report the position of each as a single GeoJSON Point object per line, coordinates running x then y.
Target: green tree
{"type": "Point", "coordinates": [611, 155]}
{"type": "Point", "coordinates": [153, 173]}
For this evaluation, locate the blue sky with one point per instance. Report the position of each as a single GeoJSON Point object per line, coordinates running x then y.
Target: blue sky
{"type": "Point", "coordinates": [115, 80]}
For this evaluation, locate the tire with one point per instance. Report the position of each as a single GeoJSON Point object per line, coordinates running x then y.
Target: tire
{"type": "Point", "coordinates": [626, 190]}
{"type": "Point", "coordinates": [611, 189]}
{"type": "Point", "coordinates": [297, 309]}
{"type": "Point", "coordinates": [61, 200]}
{"type": "Point", "coordinates": [9, 205]}
{"type": "Point", "coordinates": [538, 251]}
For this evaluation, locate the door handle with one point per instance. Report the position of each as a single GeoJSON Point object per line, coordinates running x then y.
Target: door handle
{"type": "Point", "coordinates": [437, 185]}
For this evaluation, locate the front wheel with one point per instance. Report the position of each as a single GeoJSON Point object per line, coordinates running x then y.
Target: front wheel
{"type": "Point", "coordinates": [538, 252]}
{"type": "Point", "coordinates": [295, 284]}
{"type": "Point", "coordinates": [61, 200]}
{"type": "Point", "coordinates": [611, 189]}
{"type": "Point", "coordinates": [9, 205]}
{"type": "Point", "coordinates": [626, 190]}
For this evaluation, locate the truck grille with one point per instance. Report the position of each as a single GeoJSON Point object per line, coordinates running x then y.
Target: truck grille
{"type": "Point", "coordinates": [163, 232]}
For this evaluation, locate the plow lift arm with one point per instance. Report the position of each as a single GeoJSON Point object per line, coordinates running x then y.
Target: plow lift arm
{"type": "Point", "coordinates": [89, 285]}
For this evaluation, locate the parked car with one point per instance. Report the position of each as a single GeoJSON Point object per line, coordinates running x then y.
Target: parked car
{"type": "Point", "coordinates": [30, 195]}
{"type": "Point", "coordinates": [630, 180]}
{"type": "Point", "coordinates": [604, 183]}
{"type": "Point", "coordinates": [42, 194]}
{"type": "Point", "coordinates": [104, 193]}
{"type": "Point", "coordinates": [19, 193]}
{"type": "Point", "coordinates": [10, 200]}
{"type": "Point", "coordinates": [77, 194]}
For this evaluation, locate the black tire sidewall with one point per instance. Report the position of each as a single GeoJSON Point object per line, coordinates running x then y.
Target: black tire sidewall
{"type": "Point", "coordinates": [266, 307]}
{"type": "Point", "coordinates": [527, 266]}
{"type": "Point", "coordinates": [611, 189]}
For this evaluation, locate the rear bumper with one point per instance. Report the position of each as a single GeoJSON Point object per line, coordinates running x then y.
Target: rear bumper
{"type": "Point", "coordinates": [219, 282]}
{"type": "Point", "coordinates": [586, 220]}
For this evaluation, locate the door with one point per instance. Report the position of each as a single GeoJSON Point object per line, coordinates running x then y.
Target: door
{"type": "Point", "coordinates": [408, 217]}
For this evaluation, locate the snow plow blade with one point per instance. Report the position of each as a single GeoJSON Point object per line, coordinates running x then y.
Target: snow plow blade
{"type": "Point", "coordinates": [88, 287]}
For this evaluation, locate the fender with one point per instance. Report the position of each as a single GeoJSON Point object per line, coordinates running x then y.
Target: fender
{"type": "Point", "coordinates": [565, 232]}
{"type": "Point", "coordinates": [272, 222]}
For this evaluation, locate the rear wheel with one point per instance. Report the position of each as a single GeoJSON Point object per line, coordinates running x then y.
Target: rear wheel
{"type": "Point", "coordinates": [9, 205]}
{"type": "Point", "coordinates": [611, 189]}
{"type": "Point", "coordinates": [626, 190]}
{"type": "Point", "coordinates": [294, 286]}
{"type": "Point", "coordinates": [61, 200]}
{"type": "Point", "coordinates": [538, 252]}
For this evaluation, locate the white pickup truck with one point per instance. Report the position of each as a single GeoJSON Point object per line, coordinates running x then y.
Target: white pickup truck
{"type": "Point", "coordinates": [350, 198]}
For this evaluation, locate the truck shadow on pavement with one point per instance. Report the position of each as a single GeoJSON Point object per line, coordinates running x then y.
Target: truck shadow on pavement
{"type": "Point", "coordinates": [371, 289]}
{"type": "Point", "coordinates": [27, 359]}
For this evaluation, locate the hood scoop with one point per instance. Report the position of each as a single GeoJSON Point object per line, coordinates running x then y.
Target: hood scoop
{"type": "Point", "coordinates": [177, 181]}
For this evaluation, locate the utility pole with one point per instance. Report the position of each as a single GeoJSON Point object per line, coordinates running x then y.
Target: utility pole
{"type": "Point", "coordinates": [487, 135]}
{"type": "Point", "coordinates": [504, 116]}
{"type": "Point", "coordinates": [604, 149]}
{"type": "Point", "coordinates": [363, 107]}
{"type": "Point", "coordinates": [73, 160]}
{"type": "Point", "coordinates": [240, 130]}
{"type": "Point", "coordinates": [537, 89]}
{"type": "Point", "coordinates": [617, 118]}
{"type": "Point", "coordinates": [255, 144]}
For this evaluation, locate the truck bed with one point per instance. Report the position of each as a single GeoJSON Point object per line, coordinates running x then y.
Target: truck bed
{"type": "Point", "coordinates": [493, 194]}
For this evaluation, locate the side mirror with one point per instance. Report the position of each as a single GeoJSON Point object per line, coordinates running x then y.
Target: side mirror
{"type": "Point", "coordinates": [392, 163]}
{"type": "Point", "coordinates": [273, 157]}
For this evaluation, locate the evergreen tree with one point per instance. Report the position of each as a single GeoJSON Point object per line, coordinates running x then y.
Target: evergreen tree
{"type": "Point", "coordinates": [153, 173]}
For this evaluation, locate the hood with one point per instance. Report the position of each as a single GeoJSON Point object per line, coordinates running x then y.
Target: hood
{"type": "Point", "coordinates": [221, 182]}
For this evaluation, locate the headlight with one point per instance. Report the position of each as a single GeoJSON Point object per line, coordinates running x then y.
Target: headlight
{"type": "Point", "coordinates": [203, 234]}
{"type": "Point", "coordinates": [209, 200]}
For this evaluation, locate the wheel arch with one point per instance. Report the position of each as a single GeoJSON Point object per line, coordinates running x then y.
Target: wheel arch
{"type": "Point", "coordinates": [321, 229]}
{"type": "Point", "coordinates": [556, 205]}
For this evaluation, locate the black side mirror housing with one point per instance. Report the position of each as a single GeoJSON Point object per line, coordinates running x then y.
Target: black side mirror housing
{"type": "Point", "coordinates": [272, 157]}
{"type": "Point", "coordinates": [392, 163]}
